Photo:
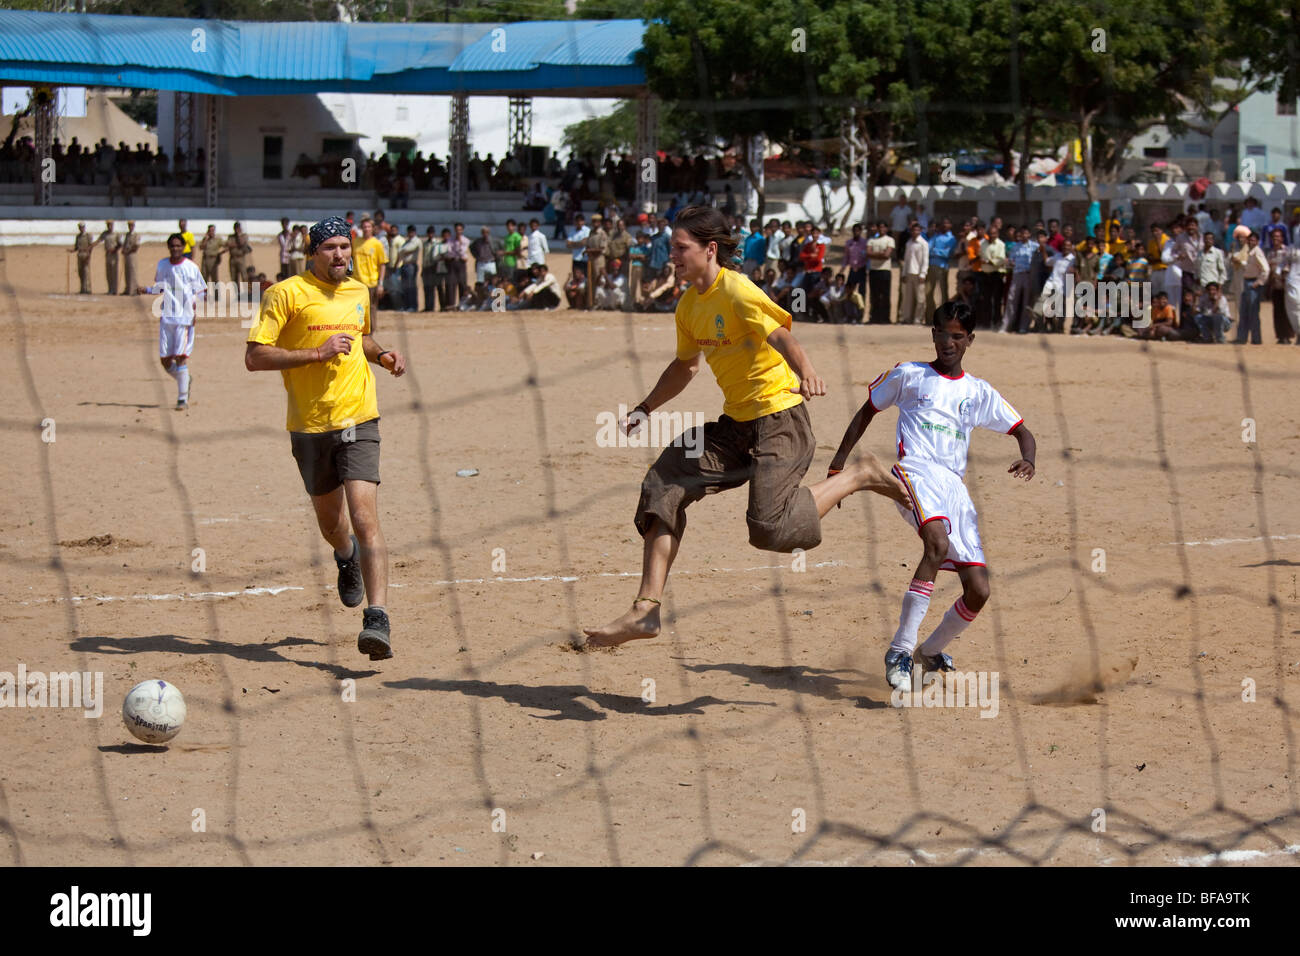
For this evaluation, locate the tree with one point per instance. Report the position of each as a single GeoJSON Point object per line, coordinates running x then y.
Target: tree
{"type": "Point", "coordinates": [792, 73]}
{"type": "Point", "coordinates": [616, 132]}
{"type": "Point", "coordinates": [1265, 38]}
{"type": "Point", "coordinates": [1123, 69]}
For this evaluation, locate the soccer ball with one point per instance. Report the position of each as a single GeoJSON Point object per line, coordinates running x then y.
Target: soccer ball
{"type": "Point", "coordinates": [154, 711]}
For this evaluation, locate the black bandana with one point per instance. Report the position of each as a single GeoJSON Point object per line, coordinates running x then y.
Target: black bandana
{"type": "Point", "coordinates": [328, 229]}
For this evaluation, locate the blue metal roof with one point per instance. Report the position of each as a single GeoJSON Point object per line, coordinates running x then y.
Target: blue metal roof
{"type": "Point", "coordinates": [563, 57]}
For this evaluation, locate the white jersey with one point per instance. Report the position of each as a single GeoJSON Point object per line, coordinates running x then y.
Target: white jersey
{"type": "Point", "coordinates": [181, 287]}
{"type": "Point", "coordinates": [936, 413]}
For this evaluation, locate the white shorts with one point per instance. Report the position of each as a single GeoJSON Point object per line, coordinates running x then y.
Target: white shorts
{"type": "Point", "coordinates": [939, 495]}
{"type": "Point", "coordinates": [175, 339]}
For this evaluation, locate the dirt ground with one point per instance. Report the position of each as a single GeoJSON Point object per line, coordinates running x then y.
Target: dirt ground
{"type": "Point", "coordinates": [1144, 584]}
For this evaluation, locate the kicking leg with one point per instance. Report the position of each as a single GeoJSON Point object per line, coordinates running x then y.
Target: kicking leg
{"type": "Point", "coordinates": [867, 474]}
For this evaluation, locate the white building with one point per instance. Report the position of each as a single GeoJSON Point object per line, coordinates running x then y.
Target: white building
{"type": "Point", "coordinates": [262, 137]}
{"type": "Point", "coordinates": [1261, 129]}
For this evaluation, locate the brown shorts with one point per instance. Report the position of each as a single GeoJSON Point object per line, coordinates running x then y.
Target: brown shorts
{"type": "Point", "coordinates": [772, 453]}
{"type": "Point", "coordinates": [327, 459]}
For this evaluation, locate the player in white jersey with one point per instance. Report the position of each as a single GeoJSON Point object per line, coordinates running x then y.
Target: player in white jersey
{"type": "Point", "coordinates": [938, 406]}
{"type": "Point", "coordinates": [181, 286]}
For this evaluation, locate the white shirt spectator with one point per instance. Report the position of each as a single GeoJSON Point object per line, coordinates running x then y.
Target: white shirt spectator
{"type": "Point", "coordinates": [1060, 265]}
{"type": "Point", "coordinates": [916, 257]}
{"type": "Point", "coordinates": [409, 253]}
{"type": "Point", "coordinates": [878, 244]}
{"type": "Point", "coordinates": [579, 238]}
{"type": "Point", "coordinates": [774, 246]}
{"type": "Point", "coordinates": [538, 247]}
{"type": "Point", "coordinates": [1213, 267]}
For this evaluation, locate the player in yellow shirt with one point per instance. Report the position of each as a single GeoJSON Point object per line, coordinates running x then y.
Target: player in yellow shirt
{"type": "Point", "coordinates": [369, 262]}
{"type": "Point", "coordinates": [763, 438]}
{"type": "Point", "coordinates": [307, 330]}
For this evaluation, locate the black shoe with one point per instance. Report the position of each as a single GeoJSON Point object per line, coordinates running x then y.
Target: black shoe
{"type": "Point", "coordinates": [373, 639]}
{"type": "Point", "coordinates": [352, 590]}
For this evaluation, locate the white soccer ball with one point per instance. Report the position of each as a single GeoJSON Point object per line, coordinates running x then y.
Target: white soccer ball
{"type": "Point", "coordinates": [154, 711]}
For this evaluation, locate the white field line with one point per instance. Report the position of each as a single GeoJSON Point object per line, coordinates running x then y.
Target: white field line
{"type": "Point", "coordinates": [253, 592]}
{"type": "Point", "coordinates": [1238, 856]}
{"type": "Point", "coordinates": [898, 857]}
{"type": "Point", "coordinates": [1216, 542]}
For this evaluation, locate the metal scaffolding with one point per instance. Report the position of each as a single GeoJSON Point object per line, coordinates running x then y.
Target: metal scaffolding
{"type": "Point", "coordinates": [459, 148]}
{"type": "Point", "coordinates": [213, 137]}
{"type": "Point", "coordinates": [45, 117]}
{"type": "Point", "coordinates": [185, 129]}
{"type": "Point", "coordinates": [521, 126]}
{"type": "Point", "coordinates": [647, 153]}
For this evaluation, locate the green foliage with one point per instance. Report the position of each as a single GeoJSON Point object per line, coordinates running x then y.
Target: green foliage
{"type": "Point", "coordinates": [287, 10]}
{"type": "Point", "coordinates": [610, 9]}
{"type": "Point", "coordinates": [368, 11]}
{"type": "Point", "coordinates": [141, 106]}
{"type": "Point", "coordinates": [617, 131]}
{"type": "Point", "coordinates": [1264, 35]}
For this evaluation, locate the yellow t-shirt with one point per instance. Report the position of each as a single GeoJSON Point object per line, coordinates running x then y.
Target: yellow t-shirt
{"type": "Point", "coordinates": [367, 256]}
{"type": "Point", "coordinates": [730, 324]}
{"type": "Point", "coordinates": [302, 313]}
{"type": "Point", "coordinates": [189, 243]}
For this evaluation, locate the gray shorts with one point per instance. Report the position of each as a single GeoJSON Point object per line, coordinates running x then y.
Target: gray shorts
{"type": "Point", "coordinates": [327, 459]}
{"type": "Point", "coordinates": [770, 453]}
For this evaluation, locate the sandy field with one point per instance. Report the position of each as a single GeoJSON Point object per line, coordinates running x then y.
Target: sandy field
{"type": "Point", "coordinates": [1142, 625]}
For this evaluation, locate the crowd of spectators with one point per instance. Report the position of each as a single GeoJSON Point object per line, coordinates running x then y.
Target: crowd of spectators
{"type": "Point", "coordinates": [126, 171]}
{"type": "Point", "coordinates": [1184, 280]}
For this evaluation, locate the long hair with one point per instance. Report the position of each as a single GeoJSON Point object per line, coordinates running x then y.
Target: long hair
{"type": "Point", "coordinates": [705, 224]}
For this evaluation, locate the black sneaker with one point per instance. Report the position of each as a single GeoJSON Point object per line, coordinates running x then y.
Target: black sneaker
{"type": "Point", "coordinates": [373, 639]}
{"type": "Point", "coordinates": [352, 590]}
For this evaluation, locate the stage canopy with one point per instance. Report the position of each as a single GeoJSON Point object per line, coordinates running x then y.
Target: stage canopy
{"type": "Point", "coordinates": [229, 58]}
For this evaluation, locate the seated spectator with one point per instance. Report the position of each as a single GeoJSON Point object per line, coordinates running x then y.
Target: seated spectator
{"type": "Point", "coordinates": [816, 288]}
{"type": "Point", "coordinates": [834, 299]}
{"type": "Point", "coordinates": [781, 288]}
{"type": "Point", "coordinates": [966, 289]}
{"type": "Point", "coordinates": [668, 303]}
{"type": "Point", "coordinates": [611, 292]}
{"type": "Point", "coordinates": [477, 298]}
{"type": "Point", "coordinates": [542, 293]}
{"type": "Point", "coordinates": [654, 289]}
{"type": "Point", "coordinates": [1212, 316]}
{"type": "Point", "coordinates": [575, 289]}
{"type": "Point", "coordinates": [1164, 320]}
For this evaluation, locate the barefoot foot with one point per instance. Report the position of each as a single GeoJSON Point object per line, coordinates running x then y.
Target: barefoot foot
{"type": "Point", "coordinates": [874, 476]}
{"type": "Point", "coordinates": [640, 623]}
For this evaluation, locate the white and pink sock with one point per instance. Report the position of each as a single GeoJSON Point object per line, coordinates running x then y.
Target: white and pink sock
{"type": "Point", "coordinates": [955, 620]}
{"type": "Point", "coordinates": [915, 603]}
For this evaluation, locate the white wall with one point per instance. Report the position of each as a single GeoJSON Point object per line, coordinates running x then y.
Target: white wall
{"type": "Point", "coordinates": [304, 121]}
{"type": "Point", "coordinates": [1277, 136]}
